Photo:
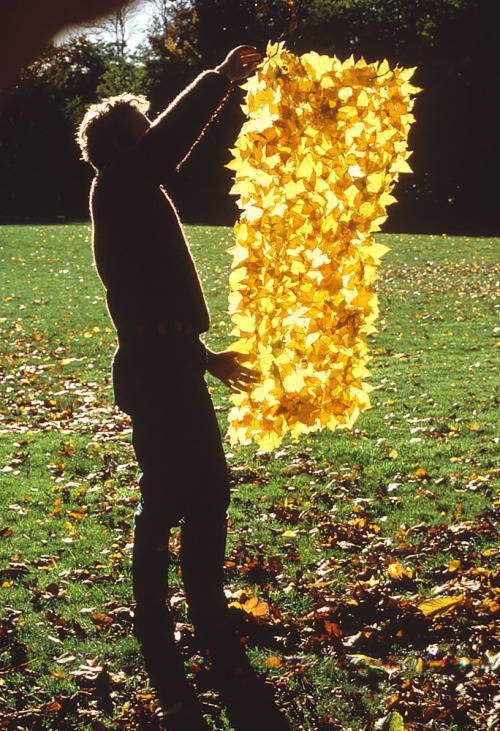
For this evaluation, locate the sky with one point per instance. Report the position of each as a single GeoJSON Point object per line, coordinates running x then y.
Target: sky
{"type": "Point", "coordinates": [137, 27]}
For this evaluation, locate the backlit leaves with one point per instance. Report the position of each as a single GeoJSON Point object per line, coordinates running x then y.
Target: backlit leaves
{"type": "Point", "coordinates": [314, 164]}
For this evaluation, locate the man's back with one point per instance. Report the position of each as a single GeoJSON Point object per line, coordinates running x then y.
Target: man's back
{"type": "Point", "coordinates": [140, 249]}
{"type": "Point", "coordinates": [141, 252]}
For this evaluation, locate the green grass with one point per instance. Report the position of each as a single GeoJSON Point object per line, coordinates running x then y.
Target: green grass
{"type": "Point", "coordinates": [314, 526]}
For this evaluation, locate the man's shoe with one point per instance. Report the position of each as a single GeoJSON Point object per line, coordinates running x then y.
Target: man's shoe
{"type": "Point", "coordinates": [249, 700]}
{"type": "Point", "coordinates": [181, 713]}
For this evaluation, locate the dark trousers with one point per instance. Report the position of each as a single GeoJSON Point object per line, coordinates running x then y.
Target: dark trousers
{"type": "Point", "coordinates": [184, 480]}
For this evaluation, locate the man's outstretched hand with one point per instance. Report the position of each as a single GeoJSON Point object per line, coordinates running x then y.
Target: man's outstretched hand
{"type": "Point", "coordinates": [239, 63]}
{"type": "Point", "coordinates": [227, 367]}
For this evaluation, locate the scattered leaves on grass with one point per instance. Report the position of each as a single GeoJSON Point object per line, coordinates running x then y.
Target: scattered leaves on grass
{"type": "Point", "coordinates": [346, 639]}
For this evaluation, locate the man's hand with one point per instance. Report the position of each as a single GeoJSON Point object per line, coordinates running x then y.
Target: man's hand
{"type": "Point", "coordinates": [239, 63]}
{"type": "Point", "coordinates": [227, 367]}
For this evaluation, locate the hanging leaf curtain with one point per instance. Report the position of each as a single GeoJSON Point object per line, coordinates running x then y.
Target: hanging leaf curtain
{"type": "Point", "coordinates": [315, 163]}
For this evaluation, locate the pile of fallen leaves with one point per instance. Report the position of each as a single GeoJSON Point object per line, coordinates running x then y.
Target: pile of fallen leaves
{"type": "Point", "coordinates": [436, 654]}
{"type": "Point", "coordinates": [359, 618]}
{"type": "Point", "coordinates": [369, 620]}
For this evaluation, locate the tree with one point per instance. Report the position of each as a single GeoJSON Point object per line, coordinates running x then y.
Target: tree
{"type": "Point", "coordinates": [39, 157]}
{"type": "Point", "coordinates": [116, 28]}
{"type": "Point", "coordinates": [225, 23]}
{"type": "Point", "coordinates": [456, 48]}
{"type": "Point", "coordinates": [171, 53]}
{"type": "Point", "coordinates": [27, 27]}
{"type": "Point", "coordinates": [453, 43]}
{"type": "Point", "coordinates": [125, 69]}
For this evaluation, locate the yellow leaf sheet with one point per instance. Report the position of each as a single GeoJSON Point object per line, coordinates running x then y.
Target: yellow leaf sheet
{"type": "Point", "coordinates": [315, 164]}
{"type": "Point", "coordinates": [397, 572]}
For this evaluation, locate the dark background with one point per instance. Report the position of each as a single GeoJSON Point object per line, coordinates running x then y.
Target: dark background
{"type": "Point", "coordinates": [454, 44]}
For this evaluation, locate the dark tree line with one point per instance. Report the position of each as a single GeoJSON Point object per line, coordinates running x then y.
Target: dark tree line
{"type": "Point", "coordinates": [454, 44]}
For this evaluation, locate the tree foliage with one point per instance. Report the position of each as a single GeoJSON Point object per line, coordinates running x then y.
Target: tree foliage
{"type": "Point", "coordinates": [171, 53]}
{"type": "Point", "coordinates": [42, 176]}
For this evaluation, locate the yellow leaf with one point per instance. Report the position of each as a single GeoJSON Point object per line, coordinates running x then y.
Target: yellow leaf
{"type": "Point", "coordinates": [396, 722]}
{"type": "Point", "coordinates": [306, 168]}
{"type": "Point", "coordinates": [400, 166]}
{"type": "Point", "coordinates": [439, 606]}
{"type": "Point", "coordinates": [255, 607]}
{"type": "Point", "coordinates": [397, 572]}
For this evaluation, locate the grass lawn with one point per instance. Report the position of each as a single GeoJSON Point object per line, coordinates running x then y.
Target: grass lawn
{"type": "Point", "coordinates": [363, 564]}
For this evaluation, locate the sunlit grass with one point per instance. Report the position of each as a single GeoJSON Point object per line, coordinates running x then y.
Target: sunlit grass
{"type": "Point", "coordinates": [330, 506]}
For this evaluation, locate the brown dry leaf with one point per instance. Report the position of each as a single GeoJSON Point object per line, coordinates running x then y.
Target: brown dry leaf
{"type": "Point", "coordinates": [101, 620]}
{"type": "Point", "coordinates": [53, 707]}
{"type": "Point", "coordinates": [255, 607]}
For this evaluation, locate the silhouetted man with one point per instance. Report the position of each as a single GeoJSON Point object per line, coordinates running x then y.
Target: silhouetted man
{"type": "Point", "coordinates": [156, 302]}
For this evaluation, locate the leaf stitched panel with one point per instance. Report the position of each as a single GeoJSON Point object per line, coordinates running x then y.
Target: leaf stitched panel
{"type": "Point", "coordinates": [315, 163]}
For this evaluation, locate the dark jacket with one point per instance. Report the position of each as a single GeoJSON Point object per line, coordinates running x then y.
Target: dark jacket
{"type": "Point", "coordinates": [140, 249]}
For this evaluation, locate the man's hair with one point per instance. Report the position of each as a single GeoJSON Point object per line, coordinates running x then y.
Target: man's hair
{"type": "Point", "coordinates": [103, 124]}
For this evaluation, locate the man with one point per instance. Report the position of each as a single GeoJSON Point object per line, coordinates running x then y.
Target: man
{"type": "Point", "coordinates": [156, 302]}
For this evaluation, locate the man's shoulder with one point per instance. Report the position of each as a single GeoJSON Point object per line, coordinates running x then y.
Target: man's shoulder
{"type": "Point", "coordinates": [124, 169]}
{"type": "Point", "coordinates": [116, 179]}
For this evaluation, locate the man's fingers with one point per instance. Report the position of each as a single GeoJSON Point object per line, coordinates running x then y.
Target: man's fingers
{"type": "Point", "coordinates": [254, 377]}
{"type": "Point", "coordinates": [240, 358]}
{"type": "Point", "coordinates": [249, 56]}
{"type": "Point", "coordinates": [240, 388]}
{"type": "Point", "coordinates": [248, 51]}
{"type": "Point", "coordinates": [249, 371]}
{"type": "Point", "coordinates": [247, 375]}
{"type": "Point", "coordinates": [242, 385]}
{"type": "Point", "coordinates": [237, 384]}
{"type": "Point", "coordinates": [241, 377]}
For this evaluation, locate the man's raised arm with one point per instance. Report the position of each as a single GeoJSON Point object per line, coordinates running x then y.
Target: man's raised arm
{"type": "Point", "coordinates": [172, 135]}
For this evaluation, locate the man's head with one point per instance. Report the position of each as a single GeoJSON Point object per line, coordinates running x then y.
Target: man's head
{"type": "Point", "coordinates": [111, 126]}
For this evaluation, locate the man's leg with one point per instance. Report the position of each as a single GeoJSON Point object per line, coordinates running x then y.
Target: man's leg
{"type": "Point", "coordinates": [154, 624]}
{"type": "Point", "coordinates": [249, 700]}
{"type": "Point", "coordinates": [204, 527]}
{"type": "Point", "coordinates": [202, 560]}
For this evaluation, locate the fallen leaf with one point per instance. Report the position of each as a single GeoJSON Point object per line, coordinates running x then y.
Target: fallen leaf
{"type": "Point", "coordinates": [397, 572]}
{"type": "Point", "coordinates": [439, 606]}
